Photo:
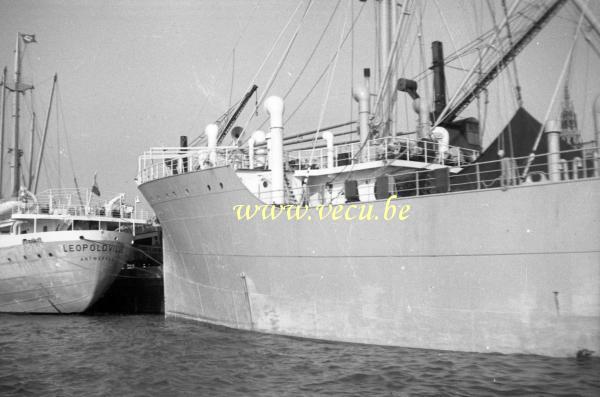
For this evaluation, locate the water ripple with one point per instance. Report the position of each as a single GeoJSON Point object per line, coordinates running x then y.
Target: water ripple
{"type": "Point", "coordinates": [146, 355]}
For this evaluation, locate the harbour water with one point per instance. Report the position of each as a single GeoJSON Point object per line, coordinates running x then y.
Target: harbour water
{"type": "Point", "coordinates": [140, 355]}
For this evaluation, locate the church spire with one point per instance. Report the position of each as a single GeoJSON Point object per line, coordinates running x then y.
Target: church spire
{"type": "Point", "coordinates": [568, 118]}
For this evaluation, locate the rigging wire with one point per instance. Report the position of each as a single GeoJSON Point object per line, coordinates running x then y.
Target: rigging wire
{"type": "Point", "coordinates": [463, 84]}
{"type": "Point", "coordinates": [501, 141]}
{"type": "Point", "coordinates": [437, 4]}
{"type": "Point", "coordinates": [351, 67]}
{"type": "Point", "coordinates": [310, 57]}
{"type": "Point", "coordinates": [69, 153]}
{"type": "Point", "coordinates": [240, 35]}
{"type": "Point", "coordinates": [278, 67]}
{"type": "Point", "coordinates": [384, 86]}
{"type": "Point", "coordinates": [325, 69]}
{"type": "Point", "coordinates": [553, 99]}
{"type": "Point", "coordinates": [328, 91]}
{"type": "Point", "coordinates": [514, 61]}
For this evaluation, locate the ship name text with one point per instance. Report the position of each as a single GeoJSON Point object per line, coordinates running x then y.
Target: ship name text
{"type": "Point", "coordinates": [93, 247]}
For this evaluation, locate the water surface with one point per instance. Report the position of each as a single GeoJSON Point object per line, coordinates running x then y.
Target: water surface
{"type": "Point", "coordinates": [147, 355]}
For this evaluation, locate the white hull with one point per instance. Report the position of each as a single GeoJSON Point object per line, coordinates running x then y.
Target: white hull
{"type": "Point", "coordinates": [59, 272]}
{"type": "Point", "coordinates": [515, 271]}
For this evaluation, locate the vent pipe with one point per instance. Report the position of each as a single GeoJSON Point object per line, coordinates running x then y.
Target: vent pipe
{"type": "Point", "coordinates": [257, 138]}
{"type": "Point", "coordinates": [419, 106]}
{"type": "Point", "coordinates": [553, 129]}
{"type": "Point", "coordinates": [361, 95]}
{"type": "Point", "coordinates": [328, 137]}
{"type": "Point", "coordinates": [211, 131]}
{"type": "Point", "coordinates": [274, 107]}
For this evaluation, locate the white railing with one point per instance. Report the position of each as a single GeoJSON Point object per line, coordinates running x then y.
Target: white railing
{"type": "Point", "coordinates": [81, 202]}
{"type": "Point", "coordinates": [575, 164]}
{"type": "Point", "coordinates": [388, 148]}
{"type": "Point", "coordinates": [162, 162]}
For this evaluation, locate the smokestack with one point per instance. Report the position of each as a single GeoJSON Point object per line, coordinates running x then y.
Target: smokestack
{"type": "Point", "coordinates": [439, 78]}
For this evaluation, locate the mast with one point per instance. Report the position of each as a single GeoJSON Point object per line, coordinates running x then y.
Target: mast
{"type": "Point", "coordinates": [384, 53]}
{"type": "Point", "coordinates": [16, 161]}
{"type": "Point", "coordinates": [2, 120]}
{"type": "Point", "coordinates": [19, 88]}
{"type": "Point", "coordinates": [30, 179]}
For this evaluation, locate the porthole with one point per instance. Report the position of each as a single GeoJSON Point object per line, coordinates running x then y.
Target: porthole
{"type": "Point", "coordinates": [265, 184]}
{"type": "Point", "coordinates": [50, 254]}
{"type": "Point", "coordinates": [187, 191]}
{"type": "Point", "coordinates": [221, 184]}
{"type": "Point", "coordinates": [174, 194]}
{"type": "Point", "coordinates": [39, 256]}
{"type": "Point", "coordinates": [25, 257]}
{"type": "Point", "coordinates": [10, 260]}
{"type": "Point", "coordinates": [208, 187]}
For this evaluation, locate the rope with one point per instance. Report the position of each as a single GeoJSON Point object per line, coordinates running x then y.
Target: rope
{"type": "Point", "coordinates": [311, 90]}
{"type": "Point", "coordinates": [326, 99]}
{"type": "Point", "coordinates": [59, 106]}
{"type": "Point", "coordinates": [279, 64]}
{"type": "Point", "coordinates": [437, 4]}
{"type": "Point", "coordinates": [310, 57]}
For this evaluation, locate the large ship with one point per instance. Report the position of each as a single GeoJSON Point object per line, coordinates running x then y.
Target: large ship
{"type": "Point", "coordinates": [60, 249]}
{"type": "Point", "coordinates": [417, 240]}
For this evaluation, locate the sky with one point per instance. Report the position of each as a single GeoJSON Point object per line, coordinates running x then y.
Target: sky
{"type": "Point", "coordinates": [140, 73]}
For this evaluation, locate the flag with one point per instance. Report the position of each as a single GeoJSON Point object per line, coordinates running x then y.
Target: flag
{"type": "Point", "coordinates": [95, 188]}
{"type": "Point", "coordinates": [28, 38]}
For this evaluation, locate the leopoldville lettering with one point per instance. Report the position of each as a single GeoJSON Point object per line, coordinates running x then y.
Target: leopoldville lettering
{"type": "Point", "coordinates": [92, 247]}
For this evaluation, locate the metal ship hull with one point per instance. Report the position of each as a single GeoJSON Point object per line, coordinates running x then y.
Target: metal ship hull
{"type": "Point", "coordinates": [512, 270]}
{"type": "Point", "coordinates": [59, 272]}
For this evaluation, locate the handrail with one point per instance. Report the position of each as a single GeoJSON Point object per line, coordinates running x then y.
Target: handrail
{"type": "Point", "coordinates": [502, 173]}
{"type": "Point", "coordinates": [160, 162]}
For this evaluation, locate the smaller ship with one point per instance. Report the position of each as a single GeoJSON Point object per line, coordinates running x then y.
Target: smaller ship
{"type": "Point", "coordinates": [56, 257]}
{"type": "Point", "coordinates": [61, 249]}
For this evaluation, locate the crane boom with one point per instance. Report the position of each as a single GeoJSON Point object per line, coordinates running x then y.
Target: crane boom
{"type": "Point", "coordinates": [235, 115]}
{"type": "Point", "coordinates": [491, 73]}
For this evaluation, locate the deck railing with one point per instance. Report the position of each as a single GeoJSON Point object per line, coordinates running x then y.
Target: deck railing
{"type": "Point", "coordinates": [81, 202]}
{"type": "Point", "coordinates": [504, 173]}
{"type": "Point", "coordinates": [162, 162]}
{"type": "Point", "coordinates": [388, 148]}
